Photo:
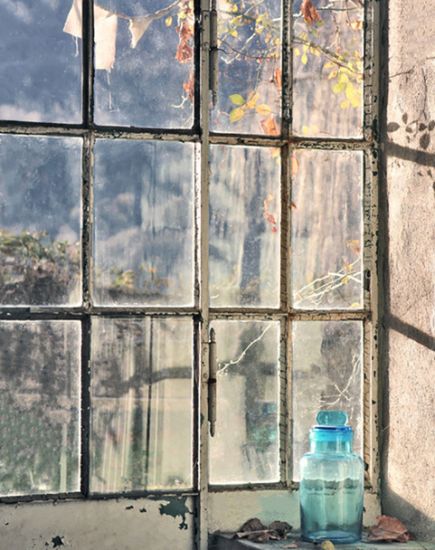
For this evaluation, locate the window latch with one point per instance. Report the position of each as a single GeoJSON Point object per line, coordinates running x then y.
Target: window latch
{"type": "Point", "coordinates": [214, 58]}
{"type": "Point", "coordinates": [212, 381]}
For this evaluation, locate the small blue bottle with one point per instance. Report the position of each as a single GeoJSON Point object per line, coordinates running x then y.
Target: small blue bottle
{"type": "Point", "coordinates": [332, 483]}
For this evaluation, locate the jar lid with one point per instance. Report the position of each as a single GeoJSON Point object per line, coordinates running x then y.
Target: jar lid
{"type": "Point", "coordinates": [331, 426]}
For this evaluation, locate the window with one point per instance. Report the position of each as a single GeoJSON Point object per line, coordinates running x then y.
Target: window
{"type": "Point", "coordinates": [201, 166]}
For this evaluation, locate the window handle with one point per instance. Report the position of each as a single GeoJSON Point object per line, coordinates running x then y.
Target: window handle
{"type": "Point", "coordinates": [212, 381]}
{"type": "Point", "coordinates": [214, 58]}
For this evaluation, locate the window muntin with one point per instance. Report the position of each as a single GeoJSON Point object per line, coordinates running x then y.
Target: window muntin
{"type": "Point", "coordinates": [290, 170]}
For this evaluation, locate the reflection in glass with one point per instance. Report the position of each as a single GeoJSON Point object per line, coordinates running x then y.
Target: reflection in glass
{"type": "Point", "coordinates": [327, 374]}
{"type": "Point", "coordinates": [40, 65]}
{"type": "Point", "coordinates": [328, 68]}
{"type": "Point", "coordinates": [144, 195]}
{"type": "Point", "coordinates": [39, 407]}
{"type": "Point", "coordinates": [141, 404]}
{"type": "Point", "coordinates": [40, 214]}
{"type": "Point", "coordinates": [249, 67]}
{"type": "Point", "coordinates": [245, 448]}
{"type": "Point", "coordinates": [144, 62]}
{"type": "Point", "coordinates": [327, 229]}
{"type": "Point", "coordinates": [244, 226]}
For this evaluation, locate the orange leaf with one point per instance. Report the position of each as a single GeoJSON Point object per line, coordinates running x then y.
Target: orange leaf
{"type": "Point", "coordinates": [309, 12]}
{"type": "Point", "coordinates": [389, 529]}
{"type": "Point", "coordinates": [277, 78]}
{"type": "Point", "coordinates": [189, 87]}
{"type": "Point", "coordinates": [270, 127]}
{"type": "Point", "coordinates": [295, 164]}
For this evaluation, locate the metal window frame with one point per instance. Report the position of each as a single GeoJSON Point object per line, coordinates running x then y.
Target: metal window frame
{"type": "Point", "coordinates": [201, 313]}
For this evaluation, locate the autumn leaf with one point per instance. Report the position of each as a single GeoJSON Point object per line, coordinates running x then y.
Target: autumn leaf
{"type": "Point", "coordinates": [354, 245]}
{"type": "Point", "coordinates": [263, 109]}
{"type": "Point", "coordinates": [168, 21]}
{"type": "Point", "coordinates": [309, 12]}
{"type": "Point", "coordinates": [277, 78]}
{"type": "Point", "coordinates": [388, 529]}
{"type": "Point", "coordinates": [295, 165]}
{"type": "Point", "coordinates": [237, 99]}
{"type": "Point", "coordinates": [268, 216]}
{"type": "Point", "coordinates": [270, 127]}
{"type": "Point", "coordinates": [252, 100]}
{"type": "Point", "coordinates": [237, 114]}
{"type": "Point", "coordinates": [189, 87]}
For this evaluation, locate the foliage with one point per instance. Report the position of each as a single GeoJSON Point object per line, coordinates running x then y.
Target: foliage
{"type": "Point", "coordinates": [35, 270]}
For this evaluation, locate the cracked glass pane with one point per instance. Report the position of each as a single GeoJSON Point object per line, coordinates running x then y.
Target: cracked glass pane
{"type": "Point", "coordinates": [328, 68]}
{"type": "Point", "coordinates": [144, 61]}
{"type": "Point", "coordinates": [249, 67]}
{"type": "Point", "coordinates": [141, 404]}
{"type": "Point", "coordinates": [245, 448]}
{"type": "Point", "coordinates": [327, 374]}
{"type": "Point", "coordinates": [327, 229]}
{"type": "Point", "coordinates": [144, 228]}
{"type": "Point", "coordinates": [39, 407]}
{"type": "Point", "coordinates": [245, 200]}
{"type": "Point", "coordinates": [40, 220]}
{"type": "Point", "coordinates": [40, 66]}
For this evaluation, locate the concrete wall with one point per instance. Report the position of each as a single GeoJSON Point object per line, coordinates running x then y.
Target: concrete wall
{"type": "Point", "coordinates": [408, 264]}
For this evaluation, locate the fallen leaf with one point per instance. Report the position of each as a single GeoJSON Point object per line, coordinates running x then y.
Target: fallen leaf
{"type": "Point", "coordinates": [327, 545]}
{"type": "Point", "coordinates": [388, 529]}
{"type": "Point", "coordinates": [309, 12]}
{"type": "Point", "coordinates": [253, 524]}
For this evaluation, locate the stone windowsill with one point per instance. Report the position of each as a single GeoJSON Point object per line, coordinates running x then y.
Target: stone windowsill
{"type": "Point", "coordinates": [226, 542]}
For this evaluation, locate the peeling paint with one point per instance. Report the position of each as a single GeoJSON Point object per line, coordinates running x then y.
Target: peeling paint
{"type": "Point", "coordinates": [57, 541]}
{"type": "Point", "coordinates": [176, 507]}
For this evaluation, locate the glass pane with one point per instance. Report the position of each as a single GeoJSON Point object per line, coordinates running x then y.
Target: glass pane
{"type": "Point", "coordinates": [40, 220]}
{"type": "Point", "coordinates": [40, 63]}
{"type": "Point", "coordinates": [327, 374]}
{"type": "Point", "coordinates": [327, 229]}
{"type": "Point", "coordinates": [245, 448]}
{"type": "Point", "coordinates": [144, 55]}
{"type": "Point", "coordinates": [328, 68]}
{"type": "Point", "coordinates": [141, 403]}
{"type": "Point", "coordinates": [39, 407]}
{"type": "Point", "coordinates": [245, 213]}
{"type": "Point", "coordinates": [144, 229]}
{"type": "Point", "coordinates": [249, 67]}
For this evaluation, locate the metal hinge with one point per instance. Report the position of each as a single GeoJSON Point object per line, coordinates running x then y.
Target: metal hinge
{"type": "Point", "coordinates": [212, 381]}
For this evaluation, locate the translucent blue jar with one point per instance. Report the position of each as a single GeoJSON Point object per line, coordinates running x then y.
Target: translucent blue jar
{"type": "Point", "coordinates": [332, 483]}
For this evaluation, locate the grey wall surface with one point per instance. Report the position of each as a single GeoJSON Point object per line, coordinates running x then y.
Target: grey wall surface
{"type": "Point", "coordinates": [408, 265]}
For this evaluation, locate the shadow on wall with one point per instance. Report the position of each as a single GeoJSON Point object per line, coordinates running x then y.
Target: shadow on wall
{"type": "Point", "coordinates": [406, 252]}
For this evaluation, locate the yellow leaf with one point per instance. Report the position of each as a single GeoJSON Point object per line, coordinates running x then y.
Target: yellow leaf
{"type": "Point", "coordinates": [357, 24]}
{"type": "Point", "coordinates": [338, 87]}
{"type": "Point", "coordinates": [263, 109]}
{"type": "Point", "coordinates": [345, 280]}
{"type": "Point", "coordinates": [252, 100]}
{"type": "Point", "coordinates": [237, 99]}
{"type": "Point", "coordinates": [168, 21]}
{"type": "Point", "coordinates": [304, 59]}
{"type": "Point", "coordinates": [345, 104]}
{"type": "Point", "coordinates": [236, 114]}
{"type": "Point", "coordinates": [305, 130]}
{"type": "Point", "coordinates": [355, 305]}
{"type": "Point", "coordinates": [332, 74]}
{"type": "Point", "coordinates": [234, 33]}
{"type": "Point", "coordinates": [297, 51]}
{"type": "Point", "coordinates": [329, 65]}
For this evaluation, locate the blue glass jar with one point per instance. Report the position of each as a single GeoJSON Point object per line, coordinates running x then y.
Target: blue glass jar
{"type": "Point", "coordinates": [332, 483]}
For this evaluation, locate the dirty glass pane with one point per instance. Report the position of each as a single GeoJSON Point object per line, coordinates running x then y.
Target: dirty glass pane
{"type": "Point", "coordinates": [244, 226]}
{"type": "Point", "coordinates": [328, 68]}
{"type": "Point", "coordinates": [144, 206]}
{"type": "Point", "coordinates": [327, 374]}
{"type": "Point", "coordinates": [249, 67]}
{"type": "Point", "coordinates": [144, 63]}
{"type": "Point", "coordinates": [39, 407]}
{"type": "Point", "coordinates": [141, 404]}
{"type": "Point", "coordinates": [40, 64]}
{"type": "Point", "coordinates": [40, 220]}
{"type": "Point", "coordinates": [327, 229]}
{"type": "Point", "coordinates": [245, 448]}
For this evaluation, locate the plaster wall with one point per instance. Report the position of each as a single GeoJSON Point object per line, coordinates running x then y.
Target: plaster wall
{"type": "Point", "coordinates": [408, 265]}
